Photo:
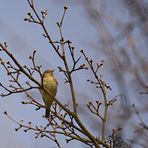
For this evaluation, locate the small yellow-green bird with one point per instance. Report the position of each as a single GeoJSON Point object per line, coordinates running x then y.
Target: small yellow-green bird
{"type": "Point", "coordinates": [50, 83]}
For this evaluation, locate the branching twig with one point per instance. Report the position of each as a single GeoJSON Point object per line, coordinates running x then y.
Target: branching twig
{"type": "Point", "coordinates": [62, 121]}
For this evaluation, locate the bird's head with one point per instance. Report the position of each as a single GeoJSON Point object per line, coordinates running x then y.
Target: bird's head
{"type": "Point", "coordinates": [48, 73]}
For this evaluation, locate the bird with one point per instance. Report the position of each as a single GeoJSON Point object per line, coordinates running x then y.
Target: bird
{"type": "Point", "coordinates": [50, 83]}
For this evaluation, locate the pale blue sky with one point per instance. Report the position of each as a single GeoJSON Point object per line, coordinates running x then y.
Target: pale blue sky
{"type": "Point", "coordinates": [22, 38]}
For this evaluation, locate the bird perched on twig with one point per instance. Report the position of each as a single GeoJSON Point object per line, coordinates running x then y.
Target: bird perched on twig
{"type": "Point", "coordinates": [50, 83]}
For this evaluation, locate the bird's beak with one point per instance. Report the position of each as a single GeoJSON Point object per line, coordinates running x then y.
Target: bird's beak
{"type": "Point", "coordinates": [53, 70]}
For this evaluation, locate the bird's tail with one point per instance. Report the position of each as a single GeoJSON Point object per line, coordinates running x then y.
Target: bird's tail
{"type": "Point", "coordinates": [47, 112]}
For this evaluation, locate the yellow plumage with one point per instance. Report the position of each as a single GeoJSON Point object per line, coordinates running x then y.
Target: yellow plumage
{"type": "Point", "coordinates": [50, 83]}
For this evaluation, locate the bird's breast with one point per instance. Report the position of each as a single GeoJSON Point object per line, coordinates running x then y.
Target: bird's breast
{"type": "Point", "coordinates": [51, 84]}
